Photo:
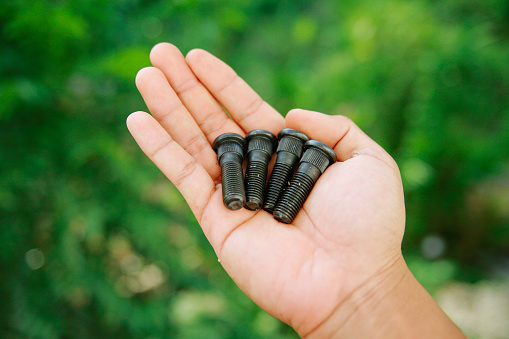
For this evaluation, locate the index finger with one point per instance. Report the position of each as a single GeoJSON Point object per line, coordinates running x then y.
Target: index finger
{"type": "Point", "coordinates": [245, 106]}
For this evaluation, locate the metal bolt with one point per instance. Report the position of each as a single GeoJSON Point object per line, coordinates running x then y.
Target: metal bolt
{"type": "Point", "coordinates": [230, 153]}
{"type": "Point", "coordinates": [317, 157]}
{"type": "Point", "coordinates": [261, 144]}
{"type": "Point", "coordinates": [289, 151]}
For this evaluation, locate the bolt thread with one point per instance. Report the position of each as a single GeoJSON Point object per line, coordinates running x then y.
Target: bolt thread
{"type": "Point", "coordinates": [293, 197]}
{"type": "Point", "coordinates": [256, 178]}
{"type": "Point", "coordinates": [281, 174]}
{"type": "Point", "coordinates": [233, 185]}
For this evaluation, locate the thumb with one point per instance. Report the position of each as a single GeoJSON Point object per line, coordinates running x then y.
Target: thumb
{"type": "Point", "coordinates": [339, 132]}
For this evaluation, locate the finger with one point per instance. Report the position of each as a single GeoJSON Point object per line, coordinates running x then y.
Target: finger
{"type": "Point", "coordinates": [339, 132]}
{"type": "Point", "coordinates": [245, 106]}
{"type": "Point", "coordinates": [206, 111]}
{"type": "Point", "coordinates": [190, 178]}
{"type": "Point", "coordinates": [173, 116]}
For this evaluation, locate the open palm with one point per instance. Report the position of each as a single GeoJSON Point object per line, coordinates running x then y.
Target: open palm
{"type": "Point", "coordinates": [347, 235]}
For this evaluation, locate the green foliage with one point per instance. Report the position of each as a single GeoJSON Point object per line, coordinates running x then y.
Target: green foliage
{"type": "Point", "coordinates": [94, 242]}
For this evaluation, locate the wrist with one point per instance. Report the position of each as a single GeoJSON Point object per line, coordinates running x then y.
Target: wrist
{"type": "Point", "coordinates": [391, 304]}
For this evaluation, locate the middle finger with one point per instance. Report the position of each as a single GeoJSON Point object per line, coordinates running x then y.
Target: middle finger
{"type": "Point", "coordinates": [206, 111]}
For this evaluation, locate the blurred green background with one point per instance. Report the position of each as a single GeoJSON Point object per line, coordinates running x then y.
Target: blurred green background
{"type": "Point", "coordinates": [95, 242]}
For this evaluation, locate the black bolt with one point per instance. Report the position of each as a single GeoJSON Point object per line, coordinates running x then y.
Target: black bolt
{"type": "Point", "coordinates": [261, 144]}
{"type": "Point", "coordinates": [317, 157]}
{"type": "Point", "coordinates": [230, 153]}
{"type": "Point", "coordinates": [289, 151]}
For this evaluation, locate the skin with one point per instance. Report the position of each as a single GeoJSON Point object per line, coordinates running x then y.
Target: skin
{"type": "Point", "coordinates": [337, 271]}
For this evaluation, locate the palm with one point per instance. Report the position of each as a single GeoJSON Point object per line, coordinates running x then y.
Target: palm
{"type": "Point", "coordinates": [349, 229]}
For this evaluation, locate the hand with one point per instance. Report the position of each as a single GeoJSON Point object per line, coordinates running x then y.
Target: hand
{"type": "Point", "coordinates": [341, 255]}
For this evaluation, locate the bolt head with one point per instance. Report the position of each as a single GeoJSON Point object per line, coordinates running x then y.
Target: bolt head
{"type": "Point", "coordinates": [289, 132]}
{"type": "Point", "coordinates": [322, 147]}
{"type": "Point", "coordinates": [228, 137]}
{"type": "Point", "coordinates": [261, 133]}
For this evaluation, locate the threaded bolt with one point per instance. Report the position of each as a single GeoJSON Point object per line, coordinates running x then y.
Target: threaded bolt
{"type": "Point", "coordinates": [261, 144]}
{"type": "Point", "coordinates": [289, 151]}
{"type": "Point", "coordinates": [230, 153]}
{"type": "Point", "coordinates": [317, 157]}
